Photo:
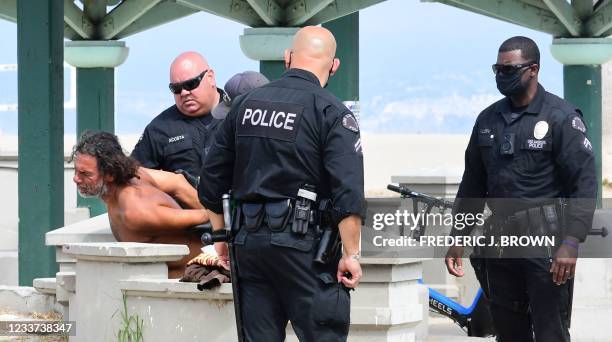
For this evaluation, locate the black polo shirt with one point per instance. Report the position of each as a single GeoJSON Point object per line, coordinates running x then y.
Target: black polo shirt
{"type": "Point", "coordinates": [176, 141]}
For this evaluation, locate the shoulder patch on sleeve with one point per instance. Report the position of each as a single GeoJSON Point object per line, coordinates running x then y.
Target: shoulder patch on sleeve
{"type": "Point", "coordinates": [578, 124]}
{"type": "Point", "coordinates": [349, 122]}
{"type": "Point", "coordinates": [587, 144]}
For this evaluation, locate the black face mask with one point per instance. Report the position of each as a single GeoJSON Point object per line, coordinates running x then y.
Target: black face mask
{"type": "Point", "coordinates": [511, 84]}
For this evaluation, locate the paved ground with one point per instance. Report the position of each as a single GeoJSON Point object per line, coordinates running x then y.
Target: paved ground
{"type": "Point", "coordinates": [442, 329]}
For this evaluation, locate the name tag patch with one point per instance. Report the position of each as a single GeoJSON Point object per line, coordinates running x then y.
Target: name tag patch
{"type": "Point", "coordinates": [175, 139]}
{"type": "Point", "coordinates": [536, 145]}
{"type": "Point", "coordinates": [275, 120]}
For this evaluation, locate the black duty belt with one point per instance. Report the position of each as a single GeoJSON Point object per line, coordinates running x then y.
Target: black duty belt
{"type": "Point", "coordinates": [540, 220]}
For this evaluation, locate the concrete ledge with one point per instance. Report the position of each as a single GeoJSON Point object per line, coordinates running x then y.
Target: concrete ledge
{"type": "Point", "coordinates": [438, 180]}
{"type": "Point", "coordinates": [95, 229]}
{"type": "Point", "coordinates": [385, 316]}
{"type": "Point", "coordinates": [131, 252]}
{"type": "Point", "coordinates": [172, 288]}
{"type": "Point", "coordinates": [25, 299]}
{"type": "Point", "coordinates": [182, 319]}
{"type": "Point", "coordinates": [391, 261]}
{"type": "Point", "coordinates": [66, 280]}
{"type": "Point", "coordinates": [45, 285]}
{"type": "Point", "coordinates": [386, 270]}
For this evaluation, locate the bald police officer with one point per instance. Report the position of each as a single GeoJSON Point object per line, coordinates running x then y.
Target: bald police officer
{"type": "Point", "coordinates": [181, 135]}
{"type": "Point", "coordinates": [282, 143]}
{"type": "Point", "coordinates": [526, 151]}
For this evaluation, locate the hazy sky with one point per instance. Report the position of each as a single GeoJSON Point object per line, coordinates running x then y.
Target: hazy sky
{"type": "Point", "coordinates": [425, 67]}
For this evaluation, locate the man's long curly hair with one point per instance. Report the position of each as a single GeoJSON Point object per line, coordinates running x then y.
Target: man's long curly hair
{"type": "Point", "coordinates": [111, 159]}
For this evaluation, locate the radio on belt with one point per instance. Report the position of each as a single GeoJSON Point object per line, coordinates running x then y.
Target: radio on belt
{"type": "Point", "coordinates": [303, 214]}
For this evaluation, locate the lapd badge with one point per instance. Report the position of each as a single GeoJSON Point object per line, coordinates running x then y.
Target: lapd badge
{"type": "Point", "coordinates": [578, 124]}
{"type": "Point", "coordinates": [349, 122]}
{"type": "Point", "coordinates": [540, 130]}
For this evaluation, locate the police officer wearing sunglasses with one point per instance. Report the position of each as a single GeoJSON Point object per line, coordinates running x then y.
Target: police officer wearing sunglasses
{"type": "Point", "coordinates": [285, 150]}
{"type": "Point", "coordinates": [180, 137]}
{"type": "Point", "coordinates": [530, 161]}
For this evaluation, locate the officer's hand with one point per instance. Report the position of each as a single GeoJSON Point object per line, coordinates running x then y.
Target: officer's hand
{"type": "Point", "coordinates": [453, 261]}
{"type": "Point", "coordinates": [223, 254]}
{"type": "Point", "coordinates": [564, 264]}
{"type": "Point", "coordinates": [349, 264]}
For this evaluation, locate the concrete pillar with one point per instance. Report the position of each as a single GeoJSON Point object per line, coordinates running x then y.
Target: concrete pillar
{"type": "Point", "coordinates": [97, 304]}
{"type": "Point", "coordinates": [40, 34]}
{"type": "Point", "coordinates": [582, 59]}
{"type": "Point", "coordinates": [267, 45]}
{"type": "Point", "coordinates": [345, 83]}
{"type": "Point", "coordinates": [95, 62]}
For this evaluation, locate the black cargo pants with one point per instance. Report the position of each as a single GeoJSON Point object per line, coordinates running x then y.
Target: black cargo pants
{"type": "Point", "coordinates": [279, 282]}
{"type": "Point", "coordinates": [525, 303]}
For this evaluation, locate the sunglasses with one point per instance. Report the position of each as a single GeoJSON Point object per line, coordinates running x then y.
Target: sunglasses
{"type": "Point", "coordinates": [510, 69]}
{"type": "Point", "coordinates": [189, 85]}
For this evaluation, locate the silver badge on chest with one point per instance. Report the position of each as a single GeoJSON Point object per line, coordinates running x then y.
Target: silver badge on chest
{"type": "Point", "coordinates": [540, 130]}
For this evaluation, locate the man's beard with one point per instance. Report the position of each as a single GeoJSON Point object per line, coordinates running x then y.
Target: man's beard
{"type": "Point", "coordinates": [91, 191]}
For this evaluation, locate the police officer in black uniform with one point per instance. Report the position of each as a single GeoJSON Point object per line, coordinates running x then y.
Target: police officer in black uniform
{"type": "Point", "coordinates": [181, 135]}
{"type": "Point", "coordinates": [282, 143]}
{"type": "Point", "coordinates": [526, 151]}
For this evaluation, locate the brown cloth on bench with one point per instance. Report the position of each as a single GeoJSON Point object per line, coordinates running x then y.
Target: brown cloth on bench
{"type": "Point", "coordinates": [205, 270]}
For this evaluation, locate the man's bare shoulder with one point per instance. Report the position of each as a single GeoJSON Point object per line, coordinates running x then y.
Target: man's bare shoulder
{"type": "Point", "coordinates": [144, 176]}
{"type": "Point", "coordinates": [139, 189]}
{"type": "Point", "coordinates": [144, 191]}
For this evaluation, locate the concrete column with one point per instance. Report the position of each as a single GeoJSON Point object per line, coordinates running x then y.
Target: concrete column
{"type": "Point", "coordinates": [95, 62]}
{"type": "Point", "coordinates": [97, 304]}
{"type": "Point", "coordinates": [40, 33]}
{"type": "Point", "coordinates": [582, 59]}
{"type": "Point", "coordinates": [345, 83]}
{"type": "Point", "coordinates": [267, 45]}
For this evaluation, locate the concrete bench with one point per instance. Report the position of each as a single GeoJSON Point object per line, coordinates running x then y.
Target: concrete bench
{"type": "Point", "coordinates": [115, 280]}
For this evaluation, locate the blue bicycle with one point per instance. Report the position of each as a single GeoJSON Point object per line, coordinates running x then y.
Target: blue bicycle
{"type": "Point", "coordinates": [475, 319]}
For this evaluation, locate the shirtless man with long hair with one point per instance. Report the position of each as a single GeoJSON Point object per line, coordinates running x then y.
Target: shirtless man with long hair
{"type": "Point", "coordinates": [144, 205]}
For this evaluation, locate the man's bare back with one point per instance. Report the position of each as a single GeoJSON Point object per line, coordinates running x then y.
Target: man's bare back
{"type": "Point", "coordinates": [127, 212]}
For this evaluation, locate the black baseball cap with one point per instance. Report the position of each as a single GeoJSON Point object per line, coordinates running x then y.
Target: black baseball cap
{"type": "Point", "coordinates": [237, 85]}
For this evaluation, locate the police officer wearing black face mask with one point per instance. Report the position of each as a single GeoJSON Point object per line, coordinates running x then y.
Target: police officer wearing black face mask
{"type": "Point", "coordinates": [283, 147]}
{"type": "Point", "coordinates": [181, 135]}
{"type": "Point", "coordinates": [526, 152]}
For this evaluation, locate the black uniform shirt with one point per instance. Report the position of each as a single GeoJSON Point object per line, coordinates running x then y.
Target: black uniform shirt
{"type": "Point", "coordinates": [174, 141]}
{"type": "Point", "coordinates": [283, 135]}
{"type": "Point", "coordinates": [552, 158]}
